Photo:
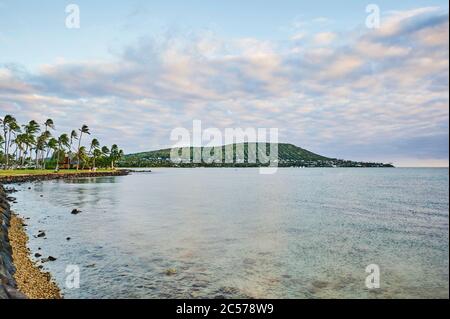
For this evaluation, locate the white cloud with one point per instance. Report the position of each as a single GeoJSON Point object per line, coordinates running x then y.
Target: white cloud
{"type": "Point", "coordinates": [324, 38]}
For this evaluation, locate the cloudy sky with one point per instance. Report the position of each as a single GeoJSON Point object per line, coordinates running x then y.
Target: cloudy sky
{"type": "Point", "coordinates": [135, 70]}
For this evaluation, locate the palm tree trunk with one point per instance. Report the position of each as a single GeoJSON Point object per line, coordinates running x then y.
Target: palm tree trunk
{"type": "Point", "coordinates": [7, 149]}
{"type": "Point", "coordinates": [4, 135]}
{"type": "Point", "coordinates": [37, 158]}
{"type": "Point", "coordinates": [78, 153]}
{"type": "Point", "coordinates": [70, 152]}
{"type": "Point", "coordinates": [15, 155]}
{"type": "Point", "coordinates": [24, 155]}
{"type": "Point", "coordinates": [57, 158]}
{"type": "Point", "coordinates": [48, 152]}
{"type": "Point", "coordinates": [5, 131]}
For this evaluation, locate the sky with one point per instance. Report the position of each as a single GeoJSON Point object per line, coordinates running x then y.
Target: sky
{"type": "Point", "coordinates": [136, 70]}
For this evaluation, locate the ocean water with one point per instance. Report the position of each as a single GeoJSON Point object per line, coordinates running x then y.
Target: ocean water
{"type": "Point", "coordinates": [230, 233]}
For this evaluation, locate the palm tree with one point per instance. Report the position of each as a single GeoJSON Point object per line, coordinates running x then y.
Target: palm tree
{"type": "Point", "coordinates": [115, 155]}
{"type": "Point", "coordinates": [84, 129]}
{"type": "Point", "coordinates": [120, 155]}
{"type": "Point", "coordinates": [21, 142]}
{"type": "Point", "coordinates": [32, 127]}
{"type": "Point", "coordinates": [81, 154]}
{"type": "Point", "coordinates": [105, 152]}
{"type": "Point", "coordinates": [38, 147]}
{"type": "Point", "coordinates": [5, 123]}
{"type": "Point", "coordinates": [63, 141]}
{"type": "Point", "coordinates": [96, 154]}
{"type": "Point", "coordinates": [30, 130]}
{"type": "Point", "coordinates": [52, 145]}
{"type": "Point", "coordinates": [73, 136]}
{"type": "Point", "coordinates": [47, 124]}
{"type": "Point", "coordinates": [14, 129]}
{"type": "Point", "coordinates": [9, 124]}
{"type": "Point", "coordinates": [94, 145]}
{"type": "Point", "coordinates": [1, 144]}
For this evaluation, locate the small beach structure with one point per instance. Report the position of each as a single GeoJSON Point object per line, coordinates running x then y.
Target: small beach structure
{"type": "Point", "coordinates": [69, 162]}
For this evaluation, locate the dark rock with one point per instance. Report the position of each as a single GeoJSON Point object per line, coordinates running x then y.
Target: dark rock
{"type": "Point", "coordinates": [49, 258]}
{"type": "Point", "coordinates": [3, 293]}
{"type": "Point", "coordinates": [10, 190]}
{"type": "Point", "coordinates": [37, 255]}
{"type": "Point", "coordinates": [14, 293]}
{"type": "Point", "coordinates": [76, 212]}
{"type": "Point", "coordinates": [41, 234]}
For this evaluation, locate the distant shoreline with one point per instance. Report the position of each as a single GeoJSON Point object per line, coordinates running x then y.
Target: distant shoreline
{"type": "Point", "coordinates": [19, 178]}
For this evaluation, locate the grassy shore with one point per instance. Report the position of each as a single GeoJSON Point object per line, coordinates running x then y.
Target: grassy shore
{"type": "Point", "coordinates": [26, 172]}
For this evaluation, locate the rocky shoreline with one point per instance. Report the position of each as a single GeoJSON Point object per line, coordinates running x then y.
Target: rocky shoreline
{"type": "Point", "coordinates": [11, 232]}
{"type": "Point", "coordinates": [8, 285]}
{"type": "Point", "coordinates": [44, 177]}
{"type": "Point", "coordinates": [30, 279]}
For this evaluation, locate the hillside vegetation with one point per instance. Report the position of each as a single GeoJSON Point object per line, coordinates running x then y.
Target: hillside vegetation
{"type": "Point", "coordinates": [288, 156]}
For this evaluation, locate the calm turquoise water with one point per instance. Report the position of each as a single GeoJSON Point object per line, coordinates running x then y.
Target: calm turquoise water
{"type": "Point", "coordinates": [301, 233]}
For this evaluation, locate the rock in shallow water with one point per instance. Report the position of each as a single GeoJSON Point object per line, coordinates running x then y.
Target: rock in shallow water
{"type": "Point", "coordinates": [41, 234]}
{"type": "Point", "coordinates": [76, 212]}
{"type": "Point", "coordinates": [171, 272]}
{"type": "Point", "coordinates": [49, 258]}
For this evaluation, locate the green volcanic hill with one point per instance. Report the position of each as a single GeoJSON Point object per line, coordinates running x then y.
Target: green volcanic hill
{"type": "Point", "coordinates": [288, 156]}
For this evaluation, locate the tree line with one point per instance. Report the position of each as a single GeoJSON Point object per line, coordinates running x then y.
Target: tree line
{"type": "Point", "coordinates": [33, 145]}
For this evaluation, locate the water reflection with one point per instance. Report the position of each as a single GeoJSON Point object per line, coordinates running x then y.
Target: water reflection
{"type": "Point", "coordinates": [91, 180]}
